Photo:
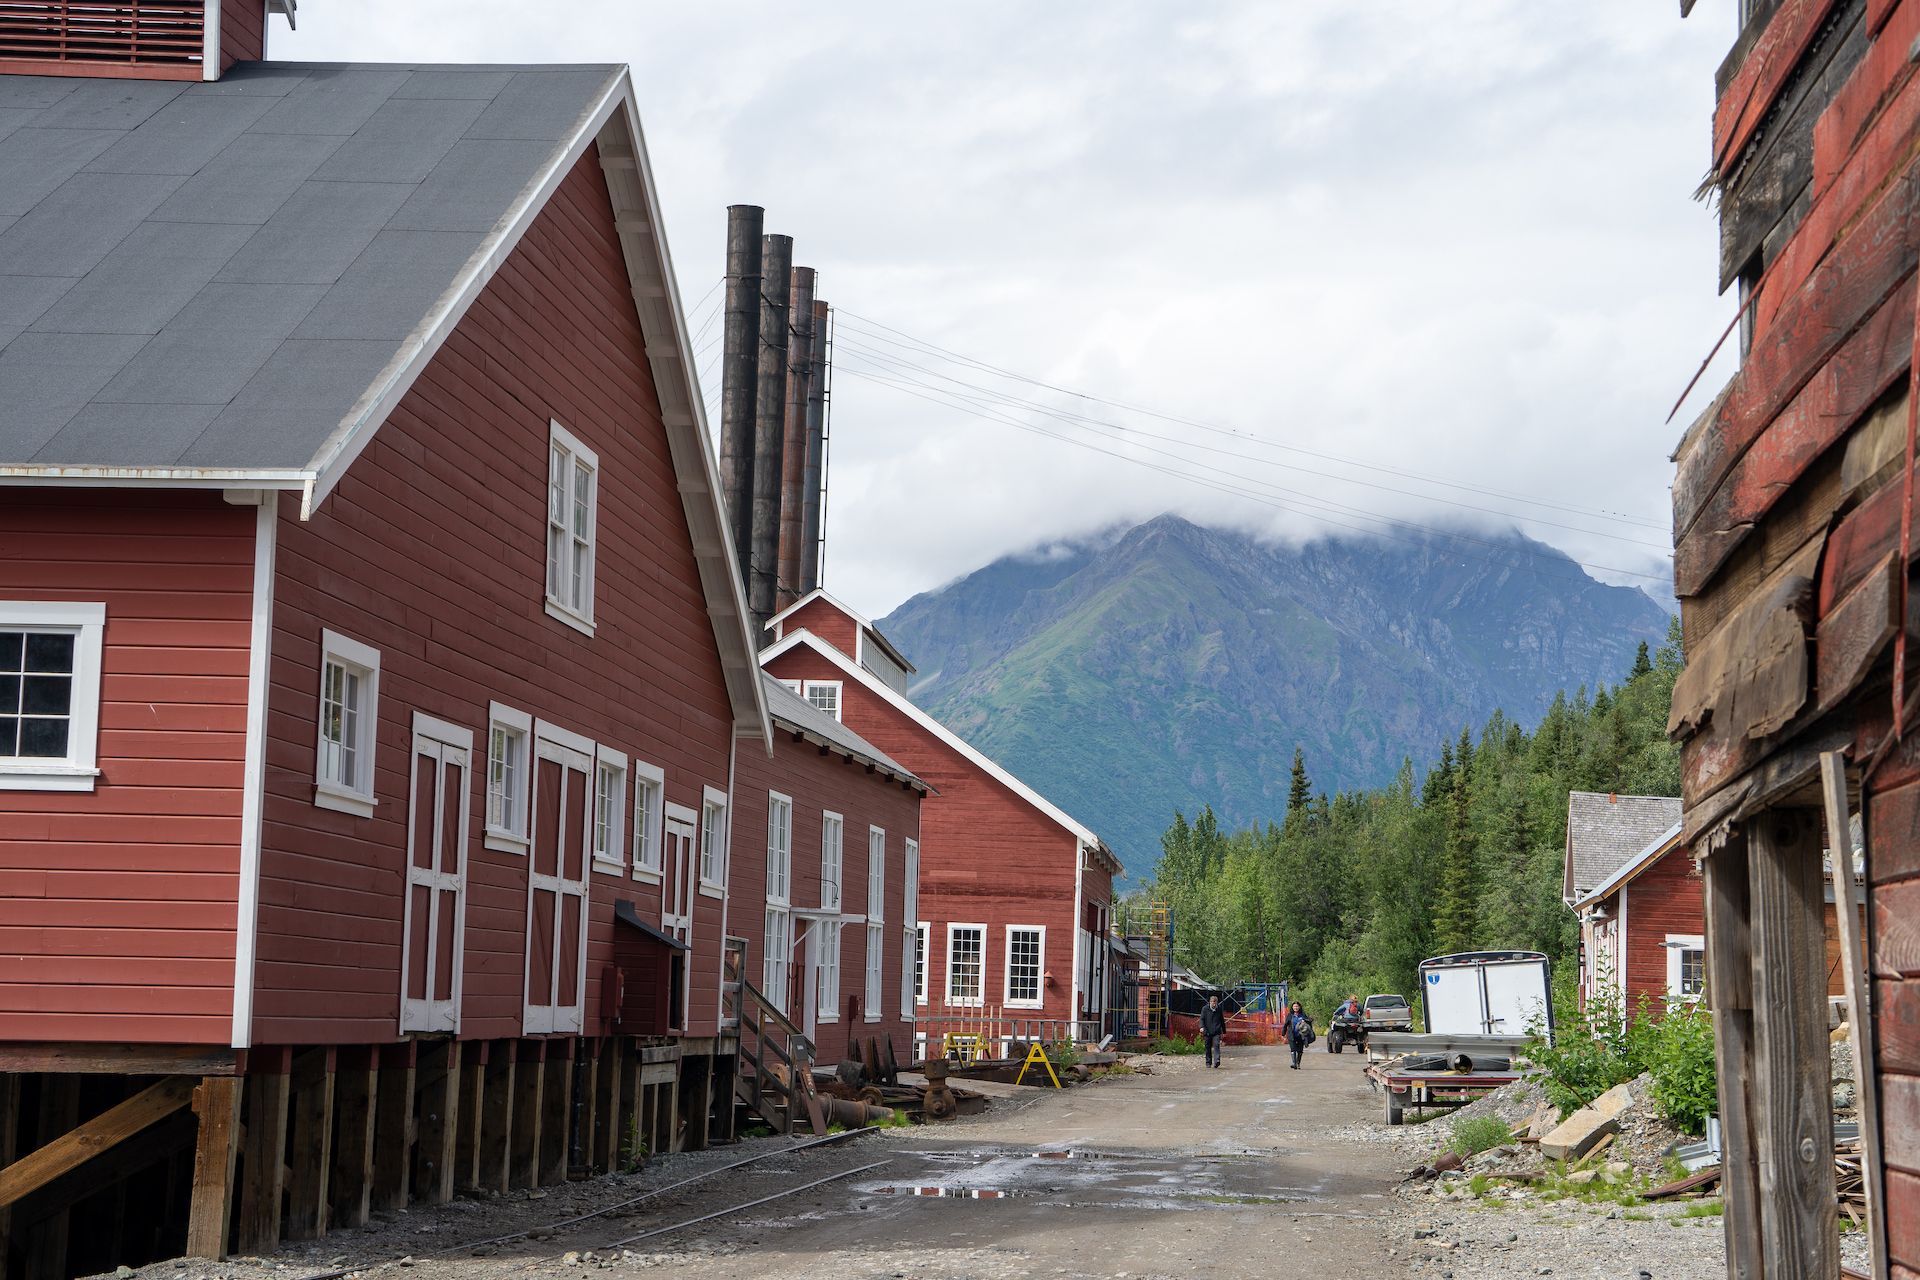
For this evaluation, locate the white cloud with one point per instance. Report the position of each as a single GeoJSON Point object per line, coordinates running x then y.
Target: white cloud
{"type": "Point", "coordinates": [1453, 240]}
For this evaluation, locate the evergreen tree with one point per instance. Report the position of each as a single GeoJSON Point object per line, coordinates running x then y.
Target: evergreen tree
{"type": "Point", "coordinates": [1300, 790]}
{"type": "Point", "coordinates": [1642, 663]}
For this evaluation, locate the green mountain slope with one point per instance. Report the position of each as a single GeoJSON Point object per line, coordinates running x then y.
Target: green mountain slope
{"type": "Point", "coordinates": [1175, 666]}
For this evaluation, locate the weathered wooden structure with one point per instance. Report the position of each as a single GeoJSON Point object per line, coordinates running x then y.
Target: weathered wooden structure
{"type": "Point", "coordinates": [376, 690]}
{"type": "Point", "coordinates": [1794, 546]}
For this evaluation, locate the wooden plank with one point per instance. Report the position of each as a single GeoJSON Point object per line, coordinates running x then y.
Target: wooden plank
{"type": "Point", "coordinates": [46, 1247]}
{"type": "Point", "coordinates": [1870, 362]}
{"type": "Point", "coordinates": [10, 1140]}
{"type": "Point", "coordinates": [1900, 1120]}
{"type": "Point", "coordinates": [263, 1173]}
{"type": "Point", "coordinates": [216, 1102]}
{"type": "Point", "coordinates": [473, 1079]}
{"type": "Point", "coordinates": [496, 1119]}
{"type": "Point", "coordinates": [608, 1106]}
{"type": "Point", "coordinates": [556, 1124]}
{"type": "Point", "coordinates": [1903, 1218]}
{"type": "Point", "coordinates": [1730, 989]}
{"type": "Point", "coordinates": [393, 1127]}
{"type": "Point", "coordinates": [529, 1112]}
{"type": "Point", "coordinates": [121, 1059]}
{"type": "Point", "coordinates": [310, 1144]}
{"type": "Point", "coordinates": [356, 1095]}
{"type": "Point", "coordinates": [437, 1104]}
{"type": "Point", "coordinates": [1766, 69]}
{"type": "Point", "coordinates": [1898, 1024]}
{"type": "Point", "coordinates": [1853, 964]}
{"type": "Point", "coordinates": [1792, 1104]}
{"type": "Point", "coordinates": [637, 1118]}
{"type": "Point", "coordinates": [587, 1081]}
{"type": "Point", "coordinates": [1850, 639]}
{"type": "Point", "coordinates": [78, 1145]}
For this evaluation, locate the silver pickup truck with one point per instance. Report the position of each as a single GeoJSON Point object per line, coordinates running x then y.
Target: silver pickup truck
{"type": "Point", "coordinates": [1386, 1013]}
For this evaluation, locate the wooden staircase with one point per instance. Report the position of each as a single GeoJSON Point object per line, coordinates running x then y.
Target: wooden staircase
{"type": "Point", "coordinates": [775, 1079]}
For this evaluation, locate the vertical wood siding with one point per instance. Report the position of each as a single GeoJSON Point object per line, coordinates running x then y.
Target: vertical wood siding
{"type": "Point", "coordinates": [117, 906]}
{"type": "Point", "coordinates": [1893, 892]}
{"type": "Point", "coordinates": [986, 855]}
{"type": "Point", "coordinates": [432, 550]}
{"type": "Point", "coordinates": [819, 783]}
{"type": "Point", "coordinates": [243, 31]}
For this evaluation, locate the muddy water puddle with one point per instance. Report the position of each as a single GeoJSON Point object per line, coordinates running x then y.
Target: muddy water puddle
{"type": "Point", "coordinates": [1088, 1178]}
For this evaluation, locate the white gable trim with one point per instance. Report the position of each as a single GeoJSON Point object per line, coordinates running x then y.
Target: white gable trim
{"type": "Point", "coordinates": [819, 593]}
{"type": "Point", "coordinates": [1661, 845]}
{"type": "Point", "coordinates": [938, 730]}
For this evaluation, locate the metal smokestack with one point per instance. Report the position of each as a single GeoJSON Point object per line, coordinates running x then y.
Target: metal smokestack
{"type": "Point", "coordinates": [813, 475]}
{"type": "Point", "coordinates": [793, 461]}
{"type": "Point", "coordinates": [739, 373]}
{"type": "Point", "coordinates": [769, 426]}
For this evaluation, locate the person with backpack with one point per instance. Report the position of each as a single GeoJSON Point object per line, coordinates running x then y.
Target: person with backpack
{"type": "Point", "coordinates": [1213, 1028]}
{"type": "Point", "coordinates": [1299, 1032]}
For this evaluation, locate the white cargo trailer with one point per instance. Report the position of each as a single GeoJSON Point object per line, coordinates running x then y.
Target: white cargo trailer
{"type": "Point", "coordinates": [1487, 993]}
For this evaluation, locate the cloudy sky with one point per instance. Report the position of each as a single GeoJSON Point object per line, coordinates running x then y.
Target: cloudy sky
{"type": "Point", "coordinates": [1294, 267]}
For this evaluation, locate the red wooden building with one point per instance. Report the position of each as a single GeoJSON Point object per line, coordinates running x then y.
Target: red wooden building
{"type": "Point", "coordinates": [376, 694]}
{"type": "Point", "coordinates": [1016, 897]}
{"type": "Point", "coordinates": [840, 869]}
{"type": "Point", "coordinates": [1793, 505]}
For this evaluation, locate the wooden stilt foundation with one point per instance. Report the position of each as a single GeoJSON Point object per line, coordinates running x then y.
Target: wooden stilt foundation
{"type": "Point", "coordinates": [355, 1097]}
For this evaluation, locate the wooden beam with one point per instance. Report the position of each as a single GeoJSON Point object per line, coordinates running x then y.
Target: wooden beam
{"type": "Point", "coordinates": [1853, 966]}
{"type": "Point", "coordinates": [437, 1128]}
{"type": "Point", "coordinates": [78, 1145]}
{"type": "Point", "coordinates": [216, 1102]}
{"type": "Point", "coordinates": [46, 1250]}
{"type": "Point", "coordinates": [393, 1127]}
{"type": "Point", "coordinates": [466, 1147]}
{"type": "Point", "coordinates": [1730, 992]}
{"type": "Point", "coordinates": [1792, 1086]}
{"type": "Point", "coordinates": [263, 1171]}
{"type": "Point", "coordinates": [608, 1108]}
{"type": "Point", "coordinates": [588, 1074]}
{"type": "Point", "coordinates": [310, 1144]}
{"type": "Point", "coordinates": [528, 1111]}
{"type": "Point", "coordinates": [496, 1118]}
{"type": "Point", "coordinates": [356, 1095]}
{"type": "Point", "coordinates": [9, 1151]}
{"type": "Point", "coordinates": [29, 1057]}
{"type": "Point", "coordinates": [556, 1125]}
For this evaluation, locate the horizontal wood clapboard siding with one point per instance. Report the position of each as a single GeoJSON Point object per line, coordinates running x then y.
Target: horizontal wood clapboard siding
{"type": "Point", "coordinates": [432, 550]}
{"type": "Point", "coordinates": [986, 855]}
{"type": "Point", "coordinates": [117, 906]}
{"type": "Point", "coordinates": [820, 782]}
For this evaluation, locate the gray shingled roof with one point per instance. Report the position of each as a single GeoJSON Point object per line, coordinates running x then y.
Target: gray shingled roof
{"type": "Point", "coordinates": [213, 274]}
{"type": "Point", "coordinates": [789, 708]}
{"type": "Point", "coordinates": [1604, 832]}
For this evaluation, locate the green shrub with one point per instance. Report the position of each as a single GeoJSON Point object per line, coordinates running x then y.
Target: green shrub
{"type": "Point", "coordinates": [1177, 1045]}
{"type": "Point", "coordinates": [1680, 1056]}
{"type": "Point", "coordinates": [1478, 1133]}
{"type": "Point", "coordinates": [1596, 1049]}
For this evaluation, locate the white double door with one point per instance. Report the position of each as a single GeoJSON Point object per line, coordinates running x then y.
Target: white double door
{"type": "Point", "coordinates": [677, 890]}
{"type": "Point", "coordinates": [562, 812]}
{"type": "Point", "coordinates": [433, 930]}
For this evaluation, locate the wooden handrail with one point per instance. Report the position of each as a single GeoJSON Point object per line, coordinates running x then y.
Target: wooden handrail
{"type": "Point", "coordinates": [771, 1010]}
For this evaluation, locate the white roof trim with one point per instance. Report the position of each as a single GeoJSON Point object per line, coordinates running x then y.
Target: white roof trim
{"type": "Point", "coordinates": [1633, 867]}
{"type": "Point", "coordinates": [819, 593]}
{"type": "Point", "coordinates": [940, 731]}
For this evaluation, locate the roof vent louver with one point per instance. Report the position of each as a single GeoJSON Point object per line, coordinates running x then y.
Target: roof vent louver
{"type": "Point", "coordinates": [149, 39]}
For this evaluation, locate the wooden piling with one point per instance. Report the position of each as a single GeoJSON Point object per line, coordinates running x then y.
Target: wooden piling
{"type": "Point", "coordinates": [356, 1097]}
{"type": "Point", "coordinates": [496, 1117]}
{"type": "Point", "coordinates": [436, 1125]}
{"type": "Point", "coordinates": [556, 1120]}
{"type": "Point", "coordinates": [473, 1079]}
{"type": "Point", "coordinates": [216, 1103]}
{"type": "Point", "coordinates": [393, 1126]}
{"type": "Point", "coordinates": [263, 1167]}
{"type": "Point", "coordinates": [528, 1113]}
{"type": "Point", "coordinates": [309, 1149]}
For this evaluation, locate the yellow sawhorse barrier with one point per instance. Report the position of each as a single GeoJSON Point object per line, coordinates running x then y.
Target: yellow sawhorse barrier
{"type": "Point", "coordinates": [1037, 1055]}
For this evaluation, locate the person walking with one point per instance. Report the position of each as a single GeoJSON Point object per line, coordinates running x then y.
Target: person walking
{"type": "Point", "coordinates": [1299, 1032]}
{"type": "Point", "coordinates": [1213, 1029]}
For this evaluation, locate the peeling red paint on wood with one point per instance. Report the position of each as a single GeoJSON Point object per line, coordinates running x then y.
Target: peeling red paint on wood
{"type": "Point", "coordinates": [1768, 67]}
{"type": "Point", "coordinates": [1893, 834]}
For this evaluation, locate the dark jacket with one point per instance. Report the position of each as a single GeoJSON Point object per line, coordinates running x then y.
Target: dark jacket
{"type": "Point", "coordinates": [1213, 1021]}
{"type": "Point", "coordinates": [1299, 1029]}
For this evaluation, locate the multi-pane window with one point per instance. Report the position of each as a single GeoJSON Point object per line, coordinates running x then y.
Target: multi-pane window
{"type": "Point", "coordinates": [509, 735]}
{"type": "Point", "coordinates": [876, 948]}
{"type": "Point", "coordinates": [966, 945]}
{"type": "Point", "coordinates": [825, 696]}
{"type": "Point", "coordinates": [572, 480]}
{"type": "Point", "coordinates": [832, 828]}
{"type": "Point", "coordinates": [609, 808]}
{"type": "Point", "coordinates": [349, 701]}
{"type": "Point", "coordinates": [49, 694]}
{"type": "Point", "coordinates": [827, 998]}
{"type": "Point", "coordinates": [713, 840]}
{"type": "Point", "coordinates": [920, 939]}
{"type": "Point", "coordinates": [779, 847]}
{"type": "Point", "coordinates": [1693, 972]}
{"type": "Point", "coordinates": [876, 875]}
{"type": "Point", "coordinates": [649, 813]}
{"type": "Point", "coordinates": [1686, 966]}
{"type": "Point", "coordinates": [779, 954]}
{"type": "Point", "coordinates": [1025, 944]}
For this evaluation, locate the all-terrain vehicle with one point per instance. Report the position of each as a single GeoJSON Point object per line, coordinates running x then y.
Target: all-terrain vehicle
{"type": "Point", "coordinates": [1345, 1029]}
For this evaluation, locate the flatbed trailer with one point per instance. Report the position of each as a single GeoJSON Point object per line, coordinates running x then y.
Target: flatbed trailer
{"type": "Point", "coordinates": [1439, 1072]}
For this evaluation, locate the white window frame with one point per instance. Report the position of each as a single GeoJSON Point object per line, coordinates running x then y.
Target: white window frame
{"type": "Point", "coordinates": [519, 724]}
{"type": "Point", "coordinates": [833, 861]}
{"type": "Point", "coordinates": [923, 968]}
{"type": "Point", "coordinates": [876, 971]}
{"type": "Point", "coordinates": [79, 768]}
{"type": "Point", "coordinates": [911, 929]}
{"type": "Point", "coordinates": [1039, 998]}
{"type": "Point", "coordinates": [565, 449]}
{"type": "Point", "coordinates": [979, 998]}
{"type": "Point", "coordinates": [779, 848]}
{"type": "Point", "coordinates": [1678, 944]}
{"type": "Point", "coordinates": [609, 849]}
{"type": "Point", "coordinates": [776, 971]}
{"type": "Point", "coordinates": [711, 846]}
{"type": "Point", "coordinates": [649, 819]}
{"type": "Point", "coordinates": [808, 686]}
{"type": "Point", "coordinates": [827, 972]}
{"type": "Point", "coordinates": [336, 649]}
{"type": "Point", "coordinates": [876, 874]}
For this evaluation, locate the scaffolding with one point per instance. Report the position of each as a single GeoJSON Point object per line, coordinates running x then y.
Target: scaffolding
{"type": "Point", "coordinates": [1159, 973]}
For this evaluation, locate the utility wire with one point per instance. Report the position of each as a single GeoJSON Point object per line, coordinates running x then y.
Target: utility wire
{"type": "Point", "coordinates": [879, 332]}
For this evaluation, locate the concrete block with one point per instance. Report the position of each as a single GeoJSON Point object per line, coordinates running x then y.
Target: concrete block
{"type": "Point", "coordinates": [1613, 1101]}
{"type": "Point", "coordinates": [1576, 1134]}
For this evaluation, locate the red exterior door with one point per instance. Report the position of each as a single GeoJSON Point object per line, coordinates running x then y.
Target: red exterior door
{"type": "Point", "coordinates": [557, 887]}
{"type": "Point", "coordinates": [434, 928]}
